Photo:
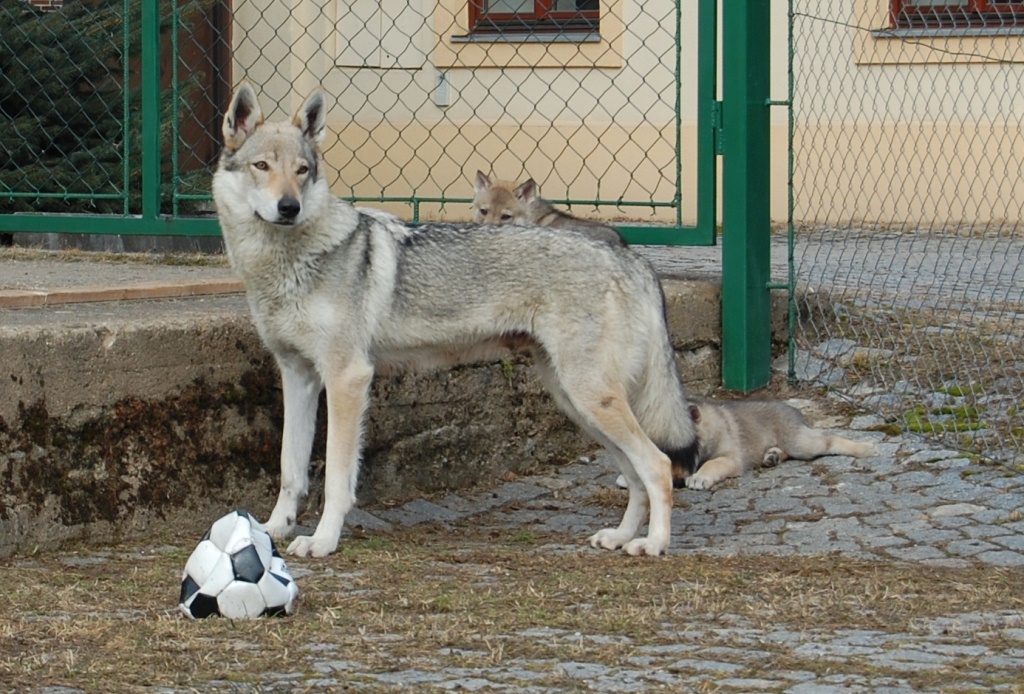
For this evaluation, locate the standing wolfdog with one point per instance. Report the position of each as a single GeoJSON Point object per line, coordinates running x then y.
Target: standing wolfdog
{"type": "Point", "coordinates": [338, 292]}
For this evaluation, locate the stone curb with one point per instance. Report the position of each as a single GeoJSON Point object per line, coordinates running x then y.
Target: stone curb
{"type": "Point", "coordinates": [28, 298]}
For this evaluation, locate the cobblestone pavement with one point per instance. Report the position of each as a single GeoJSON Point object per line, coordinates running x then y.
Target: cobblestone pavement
{"type": "Point", "coordinates": [912, 503]}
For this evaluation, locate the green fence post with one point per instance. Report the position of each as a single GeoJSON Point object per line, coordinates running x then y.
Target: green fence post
{"type": "Point", "coordinates": [707, 119]}
{"type": "Point", "coordinates": [150, 79]}
{"type": "Point", "coordinates": [746, 303]}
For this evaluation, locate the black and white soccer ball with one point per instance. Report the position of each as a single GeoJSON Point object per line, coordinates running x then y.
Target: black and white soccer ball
{"type": "Point", "coordinates": [236, 572]}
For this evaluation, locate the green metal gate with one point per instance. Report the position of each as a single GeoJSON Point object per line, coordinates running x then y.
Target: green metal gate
{"type": "Point", "coordinates": [133, 56]}
{"type": "Point", "coordinates": [82, 112]}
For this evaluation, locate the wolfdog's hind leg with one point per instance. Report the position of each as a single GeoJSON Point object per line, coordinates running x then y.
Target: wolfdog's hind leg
{"type": "Point", "coordinates": [639, 485]}
{"type": "Point", "coordinates": [648, 472]}
{"type": "Point", "coordinates": [636, 507]}
{"type": "Point", "coordinates": [301, 386]}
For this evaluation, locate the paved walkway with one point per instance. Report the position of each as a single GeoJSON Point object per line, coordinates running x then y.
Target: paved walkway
{"type": "Point", "coordinates": [913, 503]}
{"type": "Point", "coordinates": [924, 269]}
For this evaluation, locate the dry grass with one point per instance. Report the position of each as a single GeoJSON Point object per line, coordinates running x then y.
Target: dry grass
{"type": "Point", "coordinates": [104, 619]}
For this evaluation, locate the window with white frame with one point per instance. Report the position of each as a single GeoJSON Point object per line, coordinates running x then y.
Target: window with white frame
{"type": "Point", "coordinates": [956, 14]}
{"type": "Point", "coordinates": [533, 17]}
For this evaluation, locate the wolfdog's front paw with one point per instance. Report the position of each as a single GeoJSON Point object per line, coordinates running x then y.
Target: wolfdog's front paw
{"type": "Point", "coordinates": [609, 538]}
{"type": "Point", "coordinates": [645, 546]}
{"type": "Point", "coordinates": [312, 546]}
{"type": "Point", "coordinates": [279, 527]}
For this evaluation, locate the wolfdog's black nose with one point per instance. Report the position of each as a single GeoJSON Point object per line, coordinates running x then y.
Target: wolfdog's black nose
{"type": "Point", "coordinates": [288, 208]}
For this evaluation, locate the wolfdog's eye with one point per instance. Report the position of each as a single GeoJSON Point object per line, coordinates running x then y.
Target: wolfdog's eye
{"type": "Point", "coordinates": [484, 211]}
{"type": "Point", "coordinates": [262, 165]}
{"type": "Point", "coordinates": [302, 170]}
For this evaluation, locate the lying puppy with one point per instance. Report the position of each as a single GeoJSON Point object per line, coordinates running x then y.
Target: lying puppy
{"type": "Point", "coordinates": [736, 436]}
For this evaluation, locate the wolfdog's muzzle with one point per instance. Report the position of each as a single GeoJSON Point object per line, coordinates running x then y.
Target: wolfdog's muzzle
{"type": "Point", "coordinates": [288, 209]}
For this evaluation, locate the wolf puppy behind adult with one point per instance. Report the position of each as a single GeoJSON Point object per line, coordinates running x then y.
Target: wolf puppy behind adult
{"type": "Point", "coordinates": [500, 202]}
{"type": "Point", "coordinates": [339, 292]}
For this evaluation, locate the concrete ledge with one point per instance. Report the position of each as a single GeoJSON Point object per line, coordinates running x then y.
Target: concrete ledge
{"type": "Point", "coordinates": [31, 298]}
{"type": "Point", "coordinates": [159, 409]}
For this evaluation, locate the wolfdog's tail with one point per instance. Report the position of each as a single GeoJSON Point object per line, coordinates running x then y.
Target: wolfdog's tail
{"type": "Point", "coordinates": [660, 404]}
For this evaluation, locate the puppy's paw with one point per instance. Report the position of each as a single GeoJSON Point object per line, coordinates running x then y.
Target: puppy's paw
{"type": "Point", "coordinates": [864, 449]}
{"type": "Point", "coordinates": [700, 481]}
{"type": "Point", "coordinates": [772, 457]}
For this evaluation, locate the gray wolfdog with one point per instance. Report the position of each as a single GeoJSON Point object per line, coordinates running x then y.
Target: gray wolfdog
{"type": "Point", "coordinates": [500, 202]}
{"type": "Point", "coordinates": [338, 293]}
{"type": "Point", "coordinates": [735, 436]}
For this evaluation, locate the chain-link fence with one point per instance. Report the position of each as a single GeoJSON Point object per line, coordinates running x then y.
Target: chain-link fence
{"type": "Point", "coordinates": [109, 112]}
{"type": "Point", "coordinates": [907, 153]}
{"type": "Point", "coordinates": [583, 96]}
{"type": "Point", "coordinates": [62, 108]}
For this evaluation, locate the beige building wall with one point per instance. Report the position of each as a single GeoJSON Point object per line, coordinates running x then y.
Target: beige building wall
{"type": "Point", "coordinates": [589, 121]}
{"type": "Point", "coordinates": [877, 131]}
{"type": "Point", "coordinates": [911, 131]}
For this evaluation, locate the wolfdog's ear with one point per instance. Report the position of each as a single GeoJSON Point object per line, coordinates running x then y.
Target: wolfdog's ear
{"type": "Point", "coordinates": [311, 117]}
{"type": "Point", "coordinates": [526, 191]}
{"type": "Point", "coordinates": [242, 118]}
{"type": "Point", "coordinates": [482, 183]}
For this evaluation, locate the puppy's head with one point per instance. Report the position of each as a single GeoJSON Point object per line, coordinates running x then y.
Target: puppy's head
{"type": "Point", "coordinates": [496, 202]}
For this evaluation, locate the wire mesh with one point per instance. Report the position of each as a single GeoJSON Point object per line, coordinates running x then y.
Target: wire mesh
{"type": "Point", "coordinates": [63, 129]}
{"type": "Point", "coordinates": [907, 209]}
{"type": "Point", "coordinates": [586, 103]}
{"type": "Point", "coordinates": [583, 96]}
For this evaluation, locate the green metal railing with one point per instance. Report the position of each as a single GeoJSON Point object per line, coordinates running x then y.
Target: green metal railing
{"type": "Point", "coordinates": [145, 215]}
{"type": "Point", "coordinates": [143, 17]}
